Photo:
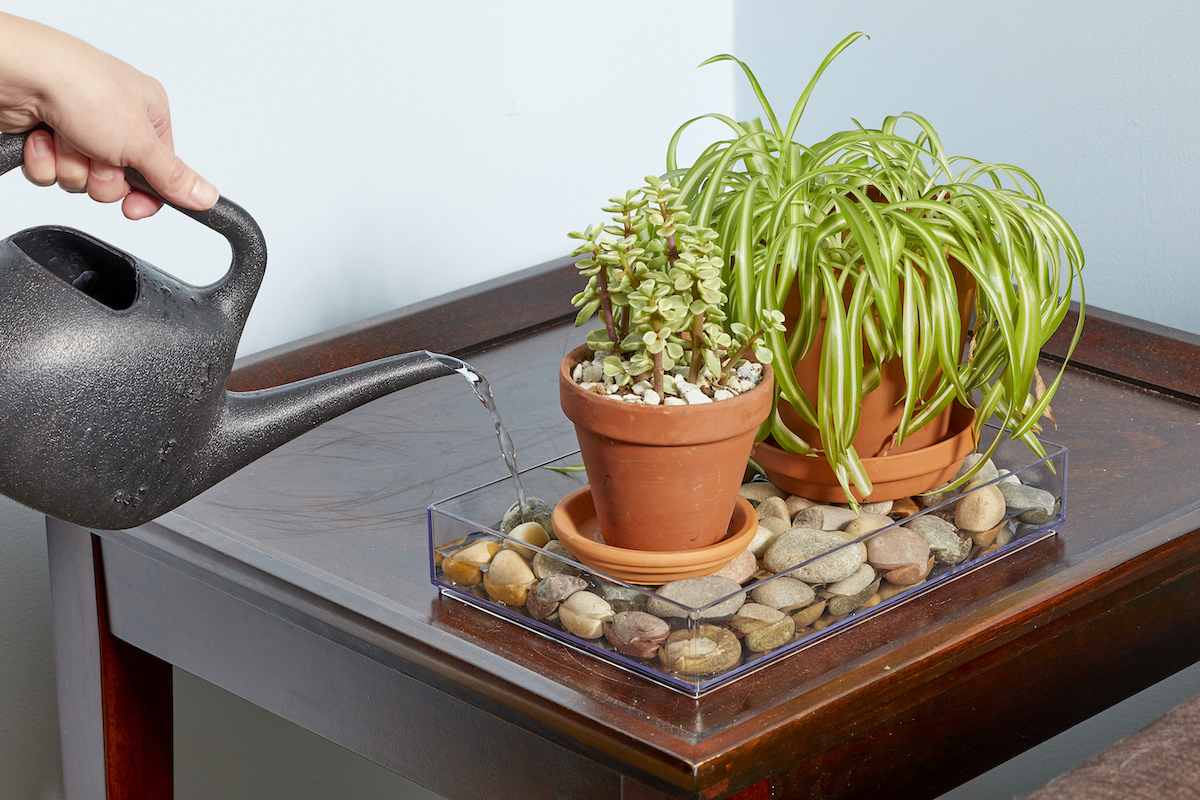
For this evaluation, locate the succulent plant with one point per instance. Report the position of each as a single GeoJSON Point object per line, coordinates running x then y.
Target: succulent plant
{"type": "Point", "coordinates": [656, 281]}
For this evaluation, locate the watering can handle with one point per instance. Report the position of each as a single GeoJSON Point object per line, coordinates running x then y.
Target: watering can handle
{"type": "Point", "coordinates": [238, 288]}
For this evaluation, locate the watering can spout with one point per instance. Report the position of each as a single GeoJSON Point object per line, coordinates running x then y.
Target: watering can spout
{"type": "Point", "coordinates": [255, 423]}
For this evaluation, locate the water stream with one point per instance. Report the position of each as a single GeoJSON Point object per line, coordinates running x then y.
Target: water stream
{"type": "Point", "coordinates": [483, 391]}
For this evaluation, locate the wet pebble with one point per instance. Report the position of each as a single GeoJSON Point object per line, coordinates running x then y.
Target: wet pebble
{"type": "Point", "coordinates": [942, 537]}
{"type": "Point", "coordinates": [527, 533]}
{"type": "Point", "coordinates": [740, 569]}
{"type": "Point", "coordinates": [463, 565]}
{"type": "Point", "coordinates": [697, 593]}
{"type": "Point", "coordinates": [636, 633]}
{"type": "Point", "coordinates": [762, 628]}
{"type": "Point", "coordinates": [980, 509]}
{"type": "Point", "coordinates": [545, 597]}
{"type": "Point", "coordinates": [544, 565]}
{"type": "Point", "coordinates": [802, 544]}
{"type": "Point", "coordinates": [705, 650]}
{"type": "Point", "coordinates": [509, 578]}
{"type": "Point", "coordinates": [757, 491]}
{"type": "Point", "coordinates": [584, 615]}
{"type": "Point", "coordinates": [539, 512]}
{"type": "Point", "coordinates": [783, 593]}
{"type": "Point", "coordinates": [1019, 497]}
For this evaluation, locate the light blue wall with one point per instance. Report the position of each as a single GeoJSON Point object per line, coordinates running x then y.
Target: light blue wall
{"type": "Point", "coordinates": [1098, 100]}
{"type": "Point", "coordinates": [391, 151]}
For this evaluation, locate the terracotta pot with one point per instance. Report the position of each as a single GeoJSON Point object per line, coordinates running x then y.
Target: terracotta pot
{"type": "Point", "coordinates": [663, 477]}
{"type": "Point", "coordinates": [575, 524]}
{"type": "Point", "coordinates": [883, 408]}
{"type": "Point", "coordinates": [879, 419]}
{"type": "Point", "coordinates": [893, 477]}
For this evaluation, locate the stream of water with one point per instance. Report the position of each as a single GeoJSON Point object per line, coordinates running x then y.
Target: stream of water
{"type": "Point", "coordinates": [483, 391]}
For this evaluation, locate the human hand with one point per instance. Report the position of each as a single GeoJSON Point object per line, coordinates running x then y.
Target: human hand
{"type": "Point", "coordinates": [106, 116]}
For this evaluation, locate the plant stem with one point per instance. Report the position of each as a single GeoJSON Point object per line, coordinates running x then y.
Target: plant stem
{"type": "Point", "coordinates": [697, 360]}
{"type": "Point", "coordinates": [731, 363]}
{"type": "Point", "coordinates": [606, 310]}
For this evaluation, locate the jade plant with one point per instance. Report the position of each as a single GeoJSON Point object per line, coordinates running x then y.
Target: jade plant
{"type": "Point", "coordinates": [656, 281]}
{"type": "Point", "coordinates": [865, 227]}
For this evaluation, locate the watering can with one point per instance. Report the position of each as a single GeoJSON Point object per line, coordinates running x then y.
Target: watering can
{"type": "Point", "coordinates": [113, 403]}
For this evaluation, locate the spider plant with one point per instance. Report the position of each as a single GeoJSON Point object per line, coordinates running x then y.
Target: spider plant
{"type": "Point", "coordinates": [866, 225]}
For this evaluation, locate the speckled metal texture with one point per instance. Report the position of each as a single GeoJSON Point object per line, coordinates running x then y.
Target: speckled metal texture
{"type": "Point", "coordinates": [113, 399]}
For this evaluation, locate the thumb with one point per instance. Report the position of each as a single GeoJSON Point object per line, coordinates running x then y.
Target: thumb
{"type": "Point", "coordinates": [174, 180]}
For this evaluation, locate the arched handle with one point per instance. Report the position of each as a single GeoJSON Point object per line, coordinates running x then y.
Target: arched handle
{"type": "Point", "coordinates": [235, 292]}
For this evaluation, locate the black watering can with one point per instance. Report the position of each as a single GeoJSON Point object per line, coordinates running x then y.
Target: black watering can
{"type": "Point", "coordinates": [113, 406]}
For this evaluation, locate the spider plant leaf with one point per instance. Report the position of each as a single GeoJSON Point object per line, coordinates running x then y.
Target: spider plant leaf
{"type": "Point", "coordinates": [802, 102]}
{"type": "Point", "coordinates": [758, 92]}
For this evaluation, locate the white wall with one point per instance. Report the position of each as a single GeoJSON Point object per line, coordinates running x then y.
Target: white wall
{"type": "Point", "coordinates": [391, 151]}
{"type": "Point", "coordinates": [1096, 99]}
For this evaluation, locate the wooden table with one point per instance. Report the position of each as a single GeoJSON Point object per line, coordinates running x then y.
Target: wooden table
{"type": "Point", "coordinates": [301, 584]}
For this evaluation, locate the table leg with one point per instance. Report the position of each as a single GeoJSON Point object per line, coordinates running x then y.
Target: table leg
{"type": "Point", "coordinates": [114, 700]}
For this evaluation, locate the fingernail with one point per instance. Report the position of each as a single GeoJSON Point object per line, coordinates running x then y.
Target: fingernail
{"type": "Point", "coordinates": [204, 194]}
{"type": "Point", "coordinates": [40, 145]}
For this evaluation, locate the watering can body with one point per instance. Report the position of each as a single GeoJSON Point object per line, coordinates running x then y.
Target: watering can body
{"type": "Point", "coordinates": [113, 400]}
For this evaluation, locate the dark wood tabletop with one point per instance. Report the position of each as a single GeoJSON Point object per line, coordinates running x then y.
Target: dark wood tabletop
{"type": "Point", "coordinates": [302, 583]}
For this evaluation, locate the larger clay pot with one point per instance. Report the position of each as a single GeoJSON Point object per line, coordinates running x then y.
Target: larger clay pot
{"type": "Point", "coordinates": [879, 419]}
{"type": "Point", "coordinates": [663, 477]}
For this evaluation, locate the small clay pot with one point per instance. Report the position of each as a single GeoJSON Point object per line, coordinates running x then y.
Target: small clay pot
{"type": "Point", "coordinates": [575, 525]}
{"type": "Point", "coordinates": [663, 477]}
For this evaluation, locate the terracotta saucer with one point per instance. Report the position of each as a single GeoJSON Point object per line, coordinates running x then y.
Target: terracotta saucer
{"type": "Point", "coordinates": [575, 525]}
{"type": "Point", "coordinates": [892, 477]}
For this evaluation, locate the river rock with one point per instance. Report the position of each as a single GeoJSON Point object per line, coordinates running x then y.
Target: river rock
{"type": "Point", "coordinates": [757, 491]}
{"type": "Point", "coordinates": [584, 615]}
{"type": "Point", "coordinates": [1037, 516]}
{"type": "Point", "coordinates": [980, 509]}
{"type": "Point", "coordinates": [773, 507]}
{"type": "Point", "coordinates": [848, 587]}
{"type": "Point", "coordinates": [544, 566]}
{"type": "Point", "coordinates": [809, 614]}
{"type": "Point", "coordinates": [620, 596]}
{"type": "Point", "coordinates": [909, 575]}
{"type": "Point", "coordinates": [524, 534]}
{"type": "Point", "coordinates": [636, 633]}
{"type": "Point", "coordinates": [740, 568]}
{"type": "Point", "coordinates": [784, 593]}
{"type": "Point", "coordinates": [824, 518]}
{"type": "Point", "coordinates": [942, 537]}
{"type": "Point", "coordinates": [896, 548]}
{"type": "Point", "coordinates": [696, 593]}
{"type": "Point", "coordinates": [702, 651]}
{"type": "Point", "coordinates": [545, 597]}
{"type": "Point", "coordinates": [765, 535]}
{"type": "Point", "coordinates": [463, 565]}
{"type": "Point", "coordinates": [509, 578]}
{"type": "Point", "coordinates": [883, 507]}
{"type": "Point", "coordinates": [866, 524]}
{"type": "Point", "coordinates": [801, 544]}
{"type": "Point", "coordinates": [539, 512]}
{"type": "Point", "coordinates": [987, 472]}
{"type": "Point", "coordinates": [796, 504]}
{"type": "Point", "coordinates": [841, 605]}
{"type": "Point", "coordinates": [762, 628]}
{"type": "Point", "coordinates": [904, 507]}
{"type": "Point", "coordinates": [1019, 497]}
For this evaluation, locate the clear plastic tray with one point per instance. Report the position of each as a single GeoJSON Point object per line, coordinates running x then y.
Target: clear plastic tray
{"type": "Point", "coordinates": [708, 636]}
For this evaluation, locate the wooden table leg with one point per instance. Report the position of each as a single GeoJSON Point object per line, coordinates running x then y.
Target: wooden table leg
{"type": "Point", "coordinates": [114, 700]}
